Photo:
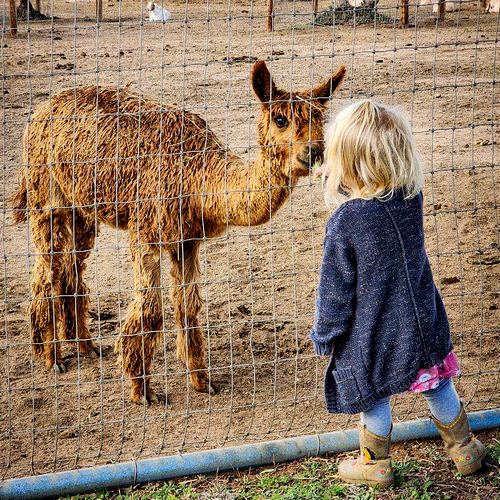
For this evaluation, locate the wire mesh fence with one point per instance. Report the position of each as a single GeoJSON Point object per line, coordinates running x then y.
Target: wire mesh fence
{"type": "Point", "coordinates": [171, 205]}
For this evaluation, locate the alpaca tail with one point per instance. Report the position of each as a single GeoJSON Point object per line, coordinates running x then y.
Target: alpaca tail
{"type": "Point", "coordinates": [19, 202]}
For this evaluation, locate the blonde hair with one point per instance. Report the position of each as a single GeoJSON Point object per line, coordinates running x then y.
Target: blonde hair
{"type": "Point", "coordinates": [370, 152]}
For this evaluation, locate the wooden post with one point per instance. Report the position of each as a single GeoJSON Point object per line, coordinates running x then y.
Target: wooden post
{"type": "Point", "coordinates": [98, 10]}
{"type": "Point", "coordinates": [270, 18]}
{"type": "Point", "coordinates": [404, 13]}
{"type": "Point", "coordinates": [442, 10]}
{"type": "Point", "coordinates": [315, 9]}
{"type": "Point", "coordinates": [13, 17]}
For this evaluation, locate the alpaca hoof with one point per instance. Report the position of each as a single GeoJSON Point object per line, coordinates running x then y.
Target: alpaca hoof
{"type": "Point", "coordinates": [96, 352]}
{"type": "Point", "coordinates": [156, 398]}
{"type": "Point", "coordinates": [92, 354]}
{"type": "Point", "coordinates": [59, 367]}
{"type": "Point", "coordinates": [207, 388]}
{"type": "Point", "coordinates": [151, 399]}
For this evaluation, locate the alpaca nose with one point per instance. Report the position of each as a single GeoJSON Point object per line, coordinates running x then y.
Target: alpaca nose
{"type": "Point", "coordinates": [315, 153]}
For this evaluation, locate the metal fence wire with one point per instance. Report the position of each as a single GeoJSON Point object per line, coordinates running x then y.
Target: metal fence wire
{"type": "Point", "coordinates": [161, 204]}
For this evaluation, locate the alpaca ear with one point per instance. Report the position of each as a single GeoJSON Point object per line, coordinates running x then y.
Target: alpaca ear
{"type": "Point", "coordinates": [262, 83]}
{"type": "Point", "coordinates": [324, 90]}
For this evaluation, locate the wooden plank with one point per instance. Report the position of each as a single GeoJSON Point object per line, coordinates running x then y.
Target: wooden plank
{"type": "Point", "coordinates": [13, 17]}
{"type": "Point", "coordinates": [404, 13]}
{"type": "Point", "coordinates": [270, 18]}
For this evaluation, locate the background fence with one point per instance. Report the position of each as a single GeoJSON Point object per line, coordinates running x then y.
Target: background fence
{"type": "Point", "coordinates": [257, 282]}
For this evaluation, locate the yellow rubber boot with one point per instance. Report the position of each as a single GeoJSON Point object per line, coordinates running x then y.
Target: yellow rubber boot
{"type": "Point", "coordinates": [464, 449]}
{"type": "Point", "coordinates": [373, 466]}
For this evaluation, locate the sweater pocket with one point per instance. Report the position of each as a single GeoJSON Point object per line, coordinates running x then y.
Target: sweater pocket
{"type": "Point", "coordinates": [347, 386]}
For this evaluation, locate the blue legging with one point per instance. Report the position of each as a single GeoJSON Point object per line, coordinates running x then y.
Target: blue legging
{"type": "Point", "coordinates": [443, 403]}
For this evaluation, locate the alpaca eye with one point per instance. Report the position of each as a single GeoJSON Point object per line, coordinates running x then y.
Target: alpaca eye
{"type": "Point", "coordinates": [281, 121]}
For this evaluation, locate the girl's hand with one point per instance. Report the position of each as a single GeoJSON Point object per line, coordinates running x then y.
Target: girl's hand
{"type": "Point", "coordinates": [323, 169]}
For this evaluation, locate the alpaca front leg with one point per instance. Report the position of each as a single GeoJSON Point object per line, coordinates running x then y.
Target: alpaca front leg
{"type": "Point", "coordinates": [187, 305]}
{"type": "Point", "coordinates": [139, 337]}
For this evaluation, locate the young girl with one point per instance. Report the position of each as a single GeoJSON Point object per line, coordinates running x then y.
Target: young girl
{"type": "Point", "coordinates": [378, 313]}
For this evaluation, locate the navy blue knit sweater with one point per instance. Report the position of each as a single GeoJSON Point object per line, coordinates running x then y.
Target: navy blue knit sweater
{"type": "Point", "coordinates": [377, 305]}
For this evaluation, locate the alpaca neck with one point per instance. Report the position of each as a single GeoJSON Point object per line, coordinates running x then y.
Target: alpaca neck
{"type": "Point", "coordinates": [248, 194]}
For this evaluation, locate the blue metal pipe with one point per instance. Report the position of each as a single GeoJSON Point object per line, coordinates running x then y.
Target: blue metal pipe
{"type": "Point", "coordinates": [202, 462]}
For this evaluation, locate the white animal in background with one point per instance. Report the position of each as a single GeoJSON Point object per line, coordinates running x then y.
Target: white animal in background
{"type": "Point", "coordinates": [157, 13]}
{"type": "Point", "coordinates": [361, 3]}
{"type": "Point", "coordinates": [450, 6]}
{"type": "Point", "coordinates": [340, 4]}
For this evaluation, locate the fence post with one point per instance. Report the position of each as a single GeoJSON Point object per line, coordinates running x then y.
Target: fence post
{"type": "Point", "coordinates": [98, 10]}
{"type": "Point", "coordinates": [404, 13]}
{"type": "Point", "coordinates": [270, 16]}
{"type": "Point", "coordinates": [315, 9]}
{"type": "Point", "coordinates": [442, 10]}
{"type": "Point", "coordinates": [13, 17]}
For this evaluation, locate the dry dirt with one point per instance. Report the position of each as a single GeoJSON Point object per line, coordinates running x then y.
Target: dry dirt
{"type": "Point", "coordinates": [258, 284]}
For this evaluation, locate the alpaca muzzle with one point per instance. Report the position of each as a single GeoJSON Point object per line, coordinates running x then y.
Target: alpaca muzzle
{"type": "Point", "coordinates": [313, 155]}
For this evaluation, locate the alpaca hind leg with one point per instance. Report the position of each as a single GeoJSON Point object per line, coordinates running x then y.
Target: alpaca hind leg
{"type": "Point", "coordinates": [47, 316]}
{"type": "Point", "coordinates": [187, 305]}
{"type": "Point", "coordinates": [44, 340]}
{"type": "Point", "coordinates": [140, 333]}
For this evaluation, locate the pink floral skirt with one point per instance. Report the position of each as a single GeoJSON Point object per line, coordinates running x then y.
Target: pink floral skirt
{"type": "Point", "coordinates": [428, 378]}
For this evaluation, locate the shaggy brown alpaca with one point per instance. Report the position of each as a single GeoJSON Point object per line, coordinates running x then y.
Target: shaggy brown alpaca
{"type": "Point", "coordinates": [97, 155]}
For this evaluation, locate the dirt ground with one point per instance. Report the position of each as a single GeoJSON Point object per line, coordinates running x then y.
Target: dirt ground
{"type": "Point", "coordinates": [258, 284]}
